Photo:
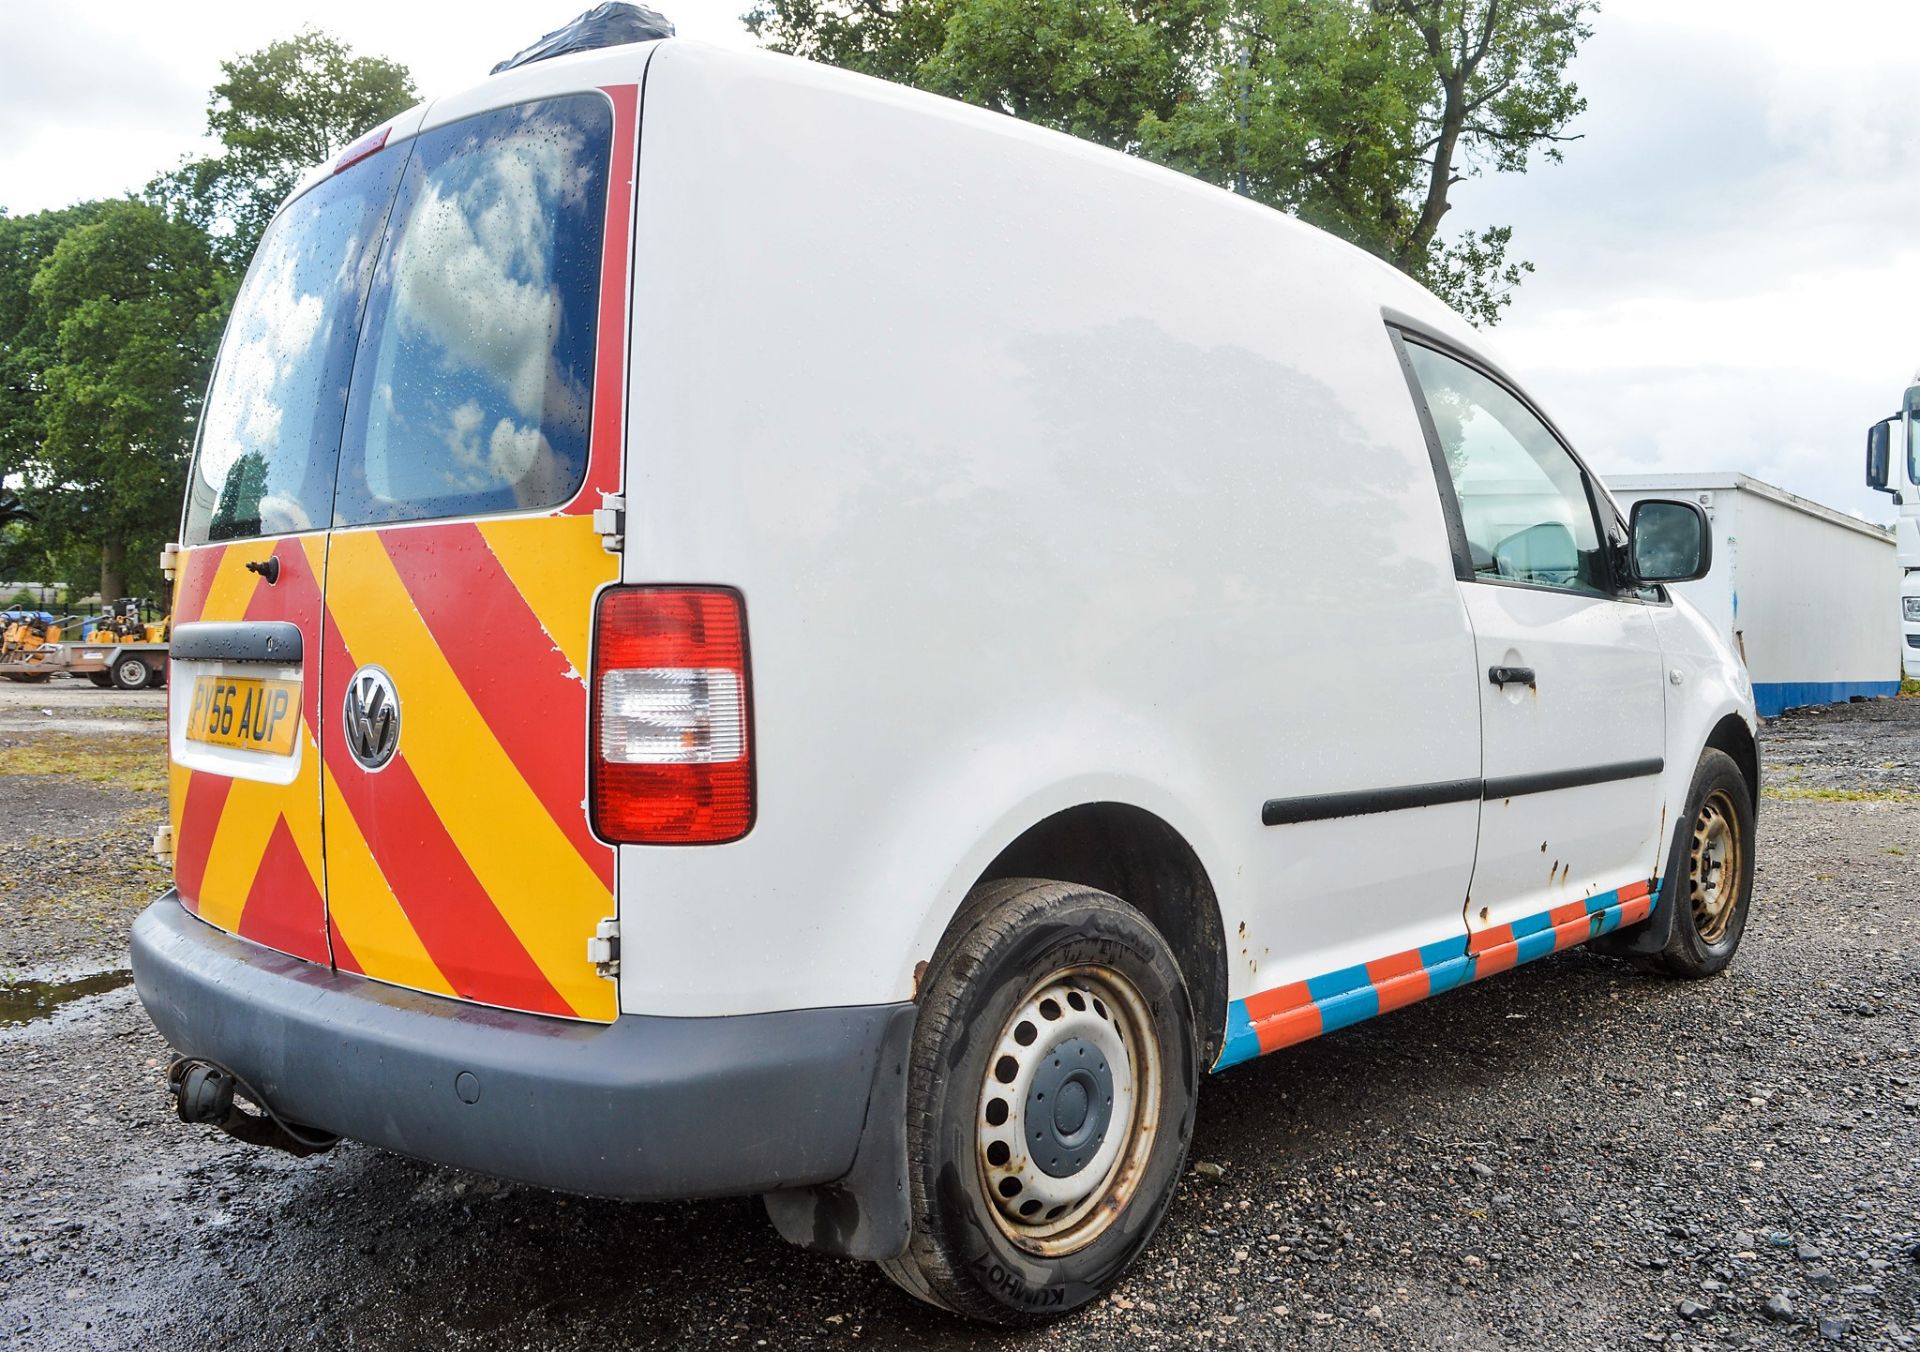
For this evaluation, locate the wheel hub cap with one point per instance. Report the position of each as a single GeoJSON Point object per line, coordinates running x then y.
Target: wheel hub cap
{"type": "Point", "coordinates": [1065, 1109]}
{"type": "Point", "coordinates": [1068, 1107]}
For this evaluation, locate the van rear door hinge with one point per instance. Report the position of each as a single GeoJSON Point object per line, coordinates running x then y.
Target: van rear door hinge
{"type": "Point", "coordinates": [610, 521]}
{"type": "Point", "coordinates": [168, 554]}
{"type": "Point", "coordinates": [603, 949]}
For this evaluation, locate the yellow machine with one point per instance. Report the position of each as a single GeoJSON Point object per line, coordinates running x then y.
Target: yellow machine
{"type": "Point", "coordinates": [121, 647]}
{"type": "Point", "coordinates": [30, 632]}
{"type": "Point", "coordinates": [123, 622]}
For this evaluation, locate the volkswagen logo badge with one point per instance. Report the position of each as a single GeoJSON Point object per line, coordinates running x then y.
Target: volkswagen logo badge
{"type": "Point", "coordinates": [371, 718]}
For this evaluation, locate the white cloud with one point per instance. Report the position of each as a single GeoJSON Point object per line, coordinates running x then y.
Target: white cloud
{"type": "Point", "coordinates": [1725, 259]}
{"type": "Point", "coordinates": [97, 98]}
{"type": "Point", "coordinates": [511, 451]}
{"type": "Point", "coordinates": [265, 362]}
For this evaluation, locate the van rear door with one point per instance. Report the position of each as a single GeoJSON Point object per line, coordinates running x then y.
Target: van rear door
{"type": "Point", "coordinates": [245, 718]}
{"type": "Point", "coordinates": [484, 426]}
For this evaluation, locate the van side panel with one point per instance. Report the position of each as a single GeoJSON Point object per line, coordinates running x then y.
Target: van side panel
{"type": "Point", "coordinates": [1048, 478]}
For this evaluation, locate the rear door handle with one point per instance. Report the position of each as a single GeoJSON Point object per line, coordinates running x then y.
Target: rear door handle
{"type": "Point", "coordinates": [1512, 676]}
{"type": "Point", "coordinates": [274, 641]}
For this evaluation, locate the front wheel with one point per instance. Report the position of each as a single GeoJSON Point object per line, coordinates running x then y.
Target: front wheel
{"type": "Point", "coordinates": [1709, 877]}
{"type": "Point", "coordinates": [1050, 1102]}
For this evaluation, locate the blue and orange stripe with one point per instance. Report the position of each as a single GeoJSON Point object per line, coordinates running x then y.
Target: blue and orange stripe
{"type": "Point", "coordinates": [1269, 1020]}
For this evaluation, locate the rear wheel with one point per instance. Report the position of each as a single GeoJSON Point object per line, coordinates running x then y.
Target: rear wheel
{"type": "Point", "coordinates": [103, 679]}
{"type": "Point", "coordinates": [1050, 1104]}
{"type": "Point", "coordinates": [131, 672]}
{"type": "Point", "coordinates": [1709, 878]}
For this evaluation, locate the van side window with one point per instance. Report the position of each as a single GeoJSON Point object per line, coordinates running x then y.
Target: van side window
{"type": "Point", "coordinates": [473, 387]}
{"type": "Point", "coordinates": [1523, 499]}
{"type": "Point", "coordinates": [270, 434]}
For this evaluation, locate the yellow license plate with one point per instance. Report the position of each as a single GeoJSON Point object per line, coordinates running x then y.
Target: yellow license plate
{"type": "Point", "coordinates": [245, 712]}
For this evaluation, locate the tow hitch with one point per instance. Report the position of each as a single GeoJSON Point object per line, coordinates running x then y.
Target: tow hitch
{"type": "Point", "coordinates": [203, 1092]}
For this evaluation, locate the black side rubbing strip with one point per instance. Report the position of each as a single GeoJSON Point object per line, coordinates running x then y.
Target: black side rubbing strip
{"type": "Point", "coordinates": [1364, 802]}
{"type": "Point", "coordinates": [273, 641]}
{"type": "Point", "coordinates": [1515, 786]}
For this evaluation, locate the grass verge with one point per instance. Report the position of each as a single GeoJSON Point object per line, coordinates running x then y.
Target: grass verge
{"type": "Point", "coordinates": [1841, 795]}
{"type": "Point", "coordinates": [137, 763]}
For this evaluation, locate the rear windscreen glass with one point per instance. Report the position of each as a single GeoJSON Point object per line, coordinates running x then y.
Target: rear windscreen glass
{"type": "Point", "coordinates": [473, 385]}
{"type": "Point", "coordinates": [271, 429]}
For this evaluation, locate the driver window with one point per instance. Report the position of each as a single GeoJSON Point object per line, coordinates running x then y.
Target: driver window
{"type": "Point", "coordinates": [1523, 500]}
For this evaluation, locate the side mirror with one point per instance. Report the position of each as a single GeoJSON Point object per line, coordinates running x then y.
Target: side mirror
{"type": "Point", "coordinates": [1668, 541]}
{"type": "Point", "coordinates": [1880, 454]}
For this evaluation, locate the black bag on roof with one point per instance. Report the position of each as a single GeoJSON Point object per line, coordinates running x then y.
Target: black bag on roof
{"type": "Point", "coordinates": [608, 25]}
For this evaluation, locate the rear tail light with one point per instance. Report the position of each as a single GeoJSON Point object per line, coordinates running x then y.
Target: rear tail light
{"type": "Point", "coordinates": [362, 148]}
{"type": "Point", "coordinates": [672, 752]}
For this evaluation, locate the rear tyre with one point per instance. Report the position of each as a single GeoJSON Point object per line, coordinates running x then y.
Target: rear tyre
{"type": "Point", "coordinates": [157, 681]}
{"type": "Point", "coordinates": [1050, 1102]}
{"type": "Point", "coordinates": [103, 679]}
{"type": "Point", "coordinates": [1709, 879]}
{"type": "Point", "coordinates": [130, 672]}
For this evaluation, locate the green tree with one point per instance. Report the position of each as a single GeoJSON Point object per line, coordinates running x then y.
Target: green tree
{"type": "Point", "coordinates": [131, 303]}
{"type": "Point", "coordinates": [1360, 116]}
{"type": "Point", "coordinates": [31, 548]}
{"type": "Point", "coordinates": [25, 243]}
{"type": "Point", "coordinates": [278, 112]}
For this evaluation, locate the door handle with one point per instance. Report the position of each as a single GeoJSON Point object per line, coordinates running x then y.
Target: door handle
{"type": "Point", "coordinates": [1512, 676]}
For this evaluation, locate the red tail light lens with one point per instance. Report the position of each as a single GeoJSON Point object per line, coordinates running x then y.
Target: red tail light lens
{"type": "Point", "coordinates": [362, 148]}
{"type": "Point", "coordinates": [672, 745]}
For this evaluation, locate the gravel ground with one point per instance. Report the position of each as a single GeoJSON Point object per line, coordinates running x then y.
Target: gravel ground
{"type": "Point", "coordinates": [1573, 1155]}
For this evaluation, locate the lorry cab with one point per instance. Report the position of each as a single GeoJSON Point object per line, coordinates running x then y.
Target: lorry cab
{"type": "Point", "coordinates": [708, 597]}
{"type": "Point", "coordinates": [1893, 468]}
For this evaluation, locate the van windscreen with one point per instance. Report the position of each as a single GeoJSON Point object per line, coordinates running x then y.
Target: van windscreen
{"type": "Point", "coordinates": [473, 387]}
{"type": "Point", "coordinates": [270, 433]}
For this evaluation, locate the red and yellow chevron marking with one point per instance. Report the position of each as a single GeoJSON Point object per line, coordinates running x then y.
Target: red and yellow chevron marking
{"type": "Point", "coordinates": [478, 826]}
{"type": "Point", "coordinates": [247, 854]}
{"type": "Point", "coordinates": [466, 865]}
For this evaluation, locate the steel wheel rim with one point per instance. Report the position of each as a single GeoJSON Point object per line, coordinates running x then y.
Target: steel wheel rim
{"type": "Point", "coordinates": [1714, 867]}
{"type": "Point", "coordinates": [1053, 1191]}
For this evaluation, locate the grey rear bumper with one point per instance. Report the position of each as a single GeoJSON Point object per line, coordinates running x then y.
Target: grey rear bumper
{"type": "Point", "coordinates": [643, 1107]}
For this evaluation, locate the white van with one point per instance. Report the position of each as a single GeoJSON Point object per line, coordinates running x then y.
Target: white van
{"type": "Point", "coordinates": [744, 630]}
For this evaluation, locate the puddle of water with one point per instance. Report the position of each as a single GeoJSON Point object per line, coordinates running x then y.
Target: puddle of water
{"type": "Point", "coordinates": [25, 1001]}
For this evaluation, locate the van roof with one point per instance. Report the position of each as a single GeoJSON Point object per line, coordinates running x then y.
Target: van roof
{"type": "Point", "coordinates": [583, 70]}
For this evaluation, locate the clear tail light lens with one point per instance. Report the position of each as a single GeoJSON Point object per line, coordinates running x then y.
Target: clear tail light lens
{"type": "Point", "coordinates": [672, 754]}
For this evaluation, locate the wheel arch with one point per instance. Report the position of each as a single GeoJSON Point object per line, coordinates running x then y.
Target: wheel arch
{"type": "Point", "coordinates": [1732, 735]}
{"type": "Point", "coordinates": [1137, 856]}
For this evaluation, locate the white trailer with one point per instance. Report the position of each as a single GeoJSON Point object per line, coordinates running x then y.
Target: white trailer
{"type": "Point", "coordinates": [1807, 595]}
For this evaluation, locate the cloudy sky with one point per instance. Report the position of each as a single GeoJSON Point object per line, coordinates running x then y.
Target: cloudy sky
{"type": "Point", "coordinates": [1725, 260]}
